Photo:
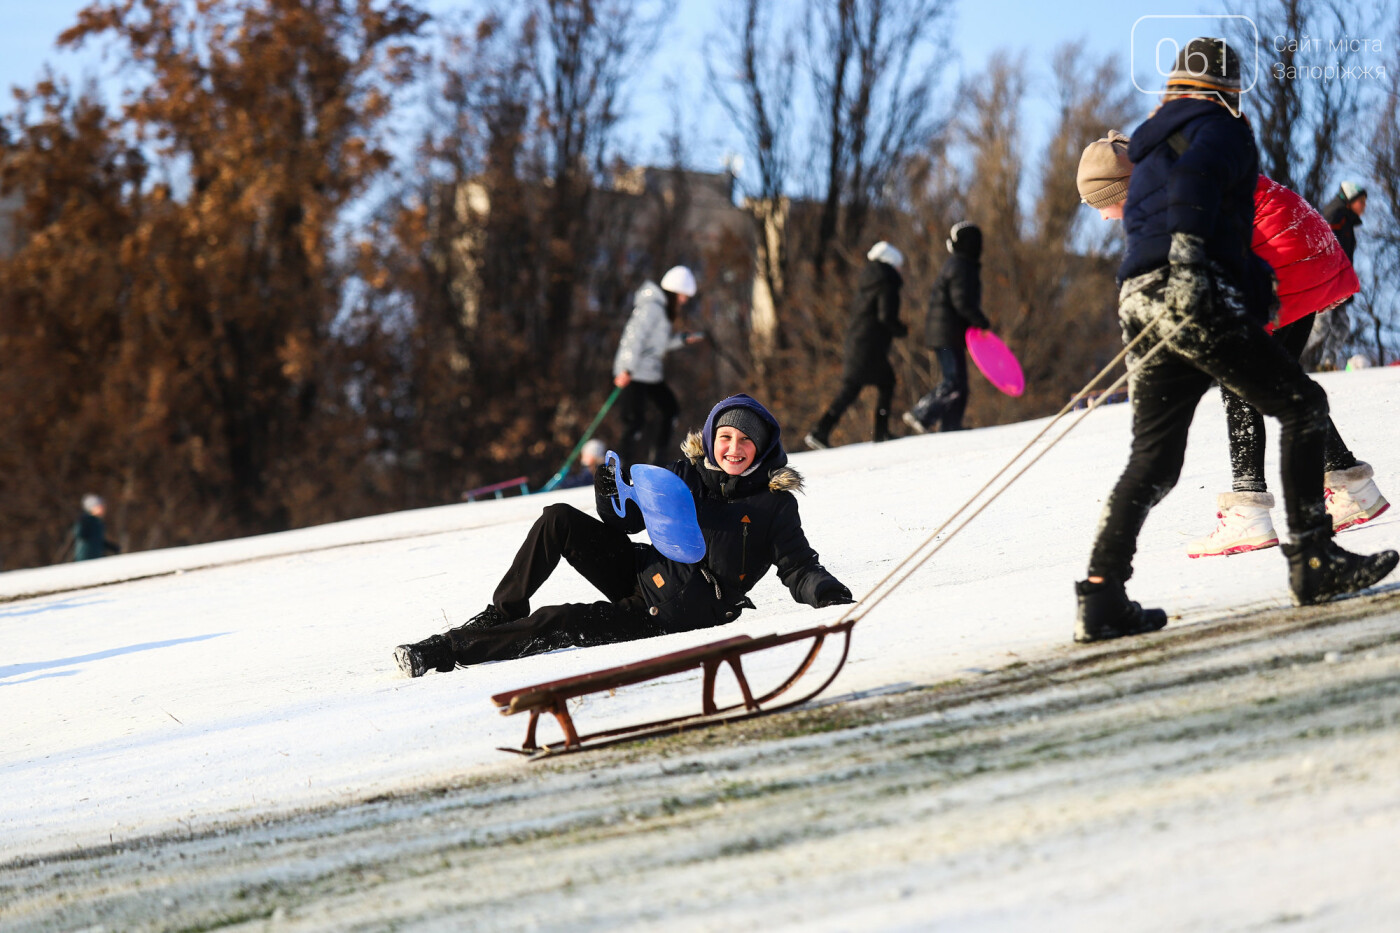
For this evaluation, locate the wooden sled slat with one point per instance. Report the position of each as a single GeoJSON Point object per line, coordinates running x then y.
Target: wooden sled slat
{"type": "Point", "coordinates": [552, 697]}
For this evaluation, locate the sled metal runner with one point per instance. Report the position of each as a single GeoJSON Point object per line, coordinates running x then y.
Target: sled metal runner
{"type": "Point", "coordinates": [552, 697]}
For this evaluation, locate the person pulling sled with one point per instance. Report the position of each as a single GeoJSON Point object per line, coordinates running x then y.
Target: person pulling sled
{"type": "Point", "coordinates": [1313, 276]}
{"type": "Point", "coordinates": [1188, 220]}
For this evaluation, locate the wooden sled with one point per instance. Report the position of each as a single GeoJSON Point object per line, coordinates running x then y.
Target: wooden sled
{"type": "Point", "coordinates": [553, 697]}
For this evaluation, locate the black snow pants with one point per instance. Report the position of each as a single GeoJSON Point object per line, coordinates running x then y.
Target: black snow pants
{"type": "Point", "coordinates": [879, 374]}
{"type": "Point", "coordinates": [1246, 425]}
{"type": "Point", "coordinates": [603, 555]}
{"type": "Point", "coordinates": [643, 443]}
{"type": "Point", "coordinates": [943, 407]}
{"type": "Point", "coordinates": [1213, 341]}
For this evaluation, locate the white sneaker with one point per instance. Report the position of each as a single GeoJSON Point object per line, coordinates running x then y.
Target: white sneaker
{"type": "Point", "coordinates": [914, 423]}
{"type": "Point", "coordinates": [1245, 525]}
{"type": "Point", "coordinates": [1352, 497]}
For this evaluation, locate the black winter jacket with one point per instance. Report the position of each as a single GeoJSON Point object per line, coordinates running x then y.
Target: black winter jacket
{"type": "Point", "coordinates": [1343, 221]}
{"type": "Point", "coordinates": [750, 524]}
{"type": "Point", "coordinates": [874, 322]}
{"type": "Point", "coordinates": [956, 302]}
{"type": "Point", "coordinates": [1207, 191]}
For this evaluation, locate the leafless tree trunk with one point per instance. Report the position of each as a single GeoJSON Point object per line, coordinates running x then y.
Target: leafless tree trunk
{"type": "Point", "coordinates": [584, 53]}
{"type": "Point", "coordinates": [751, 72]}
{"type": "Point", "coordinates": [874, 111]}
{"type": "Point", "coordinates": [1304, 119]}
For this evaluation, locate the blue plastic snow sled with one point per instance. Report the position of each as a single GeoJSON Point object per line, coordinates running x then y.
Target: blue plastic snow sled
{"type": "Point", "coordinates": [667, 506]}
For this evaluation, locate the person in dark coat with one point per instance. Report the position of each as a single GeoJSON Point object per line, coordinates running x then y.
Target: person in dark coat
{"type": "Point", "coordinates": [1343, 215]}
{"type": "Point", "coordinates": [1189, 221]}
{"type": "Point", "coordinates": [1326, 346]}
{"type": "Point", "coordinates": [1313, 276]}
{"type": "Point", "coordinates": [874, 325]}
{"type": "Point", "coordinates": [90, 531]}
{"type": "Point", "coordinates": [589, 460]}
{"type": "Point", "coordinates": [953, 307]}
{"type": "Point", "coordinates": [738, 473]}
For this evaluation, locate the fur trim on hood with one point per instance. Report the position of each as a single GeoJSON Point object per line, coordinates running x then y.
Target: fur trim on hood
{"type": "Point", "coordinates": [783, 479]}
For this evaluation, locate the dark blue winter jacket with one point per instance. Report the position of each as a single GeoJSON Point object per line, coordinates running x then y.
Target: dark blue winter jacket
{"type": "Point", "coordinates": [750, 524]}
{"type": "Point", "coordinates": [1207, 191]}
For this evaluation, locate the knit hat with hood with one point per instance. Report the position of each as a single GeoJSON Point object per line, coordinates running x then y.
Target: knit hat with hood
{"type": "Point", "coordinates": [740, 410]}
{"type": "Point", "coordinates": [1104, 170]}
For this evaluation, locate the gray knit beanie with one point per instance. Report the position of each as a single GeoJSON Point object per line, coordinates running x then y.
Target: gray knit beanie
{"type": "Point", "coordinates": [748, 421]}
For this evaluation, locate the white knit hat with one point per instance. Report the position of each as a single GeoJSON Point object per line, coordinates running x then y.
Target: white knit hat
{"type": "Point", "coordinates": [680, 280]}
{"type": "Point", "coordinates": [884, 252]}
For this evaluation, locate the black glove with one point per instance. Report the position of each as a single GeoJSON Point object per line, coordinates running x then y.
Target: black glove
{"type": "Point", "coordinates": [604, 483]}
{"type": "Point", "coordinates": [836, 595]}
{"type": "Point", "coordinates": [1188, 279]}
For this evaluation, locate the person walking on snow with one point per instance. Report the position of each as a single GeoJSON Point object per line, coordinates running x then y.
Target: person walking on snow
{"type": "Point", "coordinates": [873, 326]}
{"type": "Point", "coordinates": [737, 471]}
{"type": "Point", "coordinates": [954, 306]}
{"type": "Point", "coordinates": [639, 365]}
{"type": "Point", "coordinates": [1188, 220]}
{"type": "Point", "coordinates": [90, 531]}
{"type": "Point", "coordinates": [1343, 215]}
{"type": "Point", "coordinates": [1313, 276]}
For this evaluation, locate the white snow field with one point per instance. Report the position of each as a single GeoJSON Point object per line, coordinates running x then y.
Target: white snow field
{"type": "Point", "coordinates": [168, 690]}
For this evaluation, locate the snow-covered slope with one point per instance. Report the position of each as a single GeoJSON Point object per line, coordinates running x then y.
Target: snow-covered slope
{"type": "Point", "coordinates": [150, 691]}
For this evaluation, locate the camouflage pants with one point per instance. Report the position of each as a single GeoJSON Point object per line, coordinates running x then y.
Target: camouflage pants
{"type": "Point", "coordinates": [1207, 340]}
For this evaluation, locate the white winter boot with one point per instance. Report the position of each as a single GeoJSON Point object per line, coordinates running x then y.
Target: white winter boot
{"type": "Point", "coordinates": [1352, 496]}
{"type": "Point", "coordinates": [1245, 525]}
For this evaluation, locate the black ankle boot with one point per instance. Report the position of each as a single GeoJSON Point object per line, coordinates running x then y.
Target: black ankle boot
{"type": "Point", "coordinates": [433, 652]}
{"type": "Point", "coordinates": [1318, 570]}
{"type": "Point", "coordinates": [882, 427]}
{"type": "Point", "coordinates": [1105, 612]}
{"type": "Point", "coordinates": [464, 636]}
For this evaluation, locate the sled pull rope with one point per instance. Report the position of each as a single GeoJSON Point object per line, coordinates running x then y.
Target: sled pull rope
{"type": "Point", "coordinates": [906, 568]}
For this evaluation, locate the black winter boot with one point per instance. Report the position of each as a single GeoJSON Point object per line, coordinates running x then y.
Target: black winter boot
{"type": "Point", "coordinates": [1318, 570]}
{"type": "Point", "coordinates": [433, 652]}
{"type": "Point", "coordinates": [1105, 612]}
{"type": "Point", "coordinates": [464, 636]}
{"type": "Point", "coordinates": [882, 425]}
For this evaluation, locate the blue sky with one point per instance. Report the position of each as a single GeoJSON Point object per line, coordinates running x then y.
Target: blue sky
{"type": "Point", "coordinates": [976, 31]}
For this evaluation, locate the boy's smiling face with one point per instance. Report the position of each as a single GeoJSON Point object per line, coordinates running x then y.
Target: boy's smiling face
{"type": "Point", "coordinates": [734, 450]}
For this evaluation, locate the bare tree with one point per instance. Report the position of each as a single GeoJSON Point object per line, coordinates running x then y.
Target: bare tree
{"type": "Point", "coordinates": [1305, 111]}
{"type": "Point", "coordinates": [751, 72]}
{"type": "Point", "coordinates": [1377, 309]}
{"type": "Point", "coordinates": [584, 52]}
{"type": "Point", "coordinates": [874, 96]}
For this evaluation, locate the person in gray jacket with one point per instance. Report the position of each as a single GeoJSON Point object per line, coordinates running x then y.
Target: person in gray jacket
{"type": "Point", "coordinates": [639, 366]}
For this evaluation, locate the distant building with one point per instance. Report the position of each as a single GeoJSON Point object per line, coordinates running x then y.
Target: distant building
{"type": "Point", "coordinates": [645, 220]}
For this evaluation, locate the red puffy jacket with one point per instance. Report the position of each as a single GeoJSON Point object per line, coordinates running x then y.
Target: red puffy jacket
{"type": "Point", "coordinates": [1292, 237]}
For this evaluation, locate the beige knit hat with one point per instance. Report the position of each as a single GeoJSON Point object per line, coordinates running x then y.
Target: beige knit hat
{"type": "Point", "coordinates": [1104, 171]}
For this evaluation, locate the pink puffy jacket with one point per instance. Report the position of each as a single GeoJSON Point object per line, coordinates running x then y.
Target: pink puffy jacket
{"type": "Point", "coordinates": [1292, 237]}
